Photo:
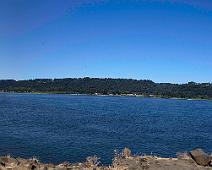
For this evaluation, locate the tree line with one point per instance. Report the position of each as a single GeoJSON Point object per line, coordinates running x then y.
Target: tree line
{"type": "Point", "coordinates": [109, 86]}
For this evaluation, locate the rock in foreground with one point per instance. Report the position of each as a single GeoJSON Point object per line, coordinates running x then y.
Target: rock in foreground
{"type": "Point", "coordinates": [123, 161]}
{"type": "Point", "coordinates": [201, 157]}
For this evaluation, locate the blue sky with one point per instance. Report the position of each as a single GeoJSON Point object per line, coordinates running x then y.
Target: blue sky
{"type": "Point", "coordinates": [161, 40]}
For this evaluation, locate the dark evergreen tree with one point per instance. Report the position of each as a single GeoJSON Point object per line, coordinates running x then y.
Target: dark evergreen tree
{"type": "Point", "coordinates": [109, 86]}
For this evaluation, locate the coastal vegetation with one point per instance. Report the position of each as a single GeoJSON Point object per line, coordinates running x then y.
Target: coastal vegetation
{"type": "Point", "coordinates": [109, 86]}
{"type": "Point", "coordinates": [194, 160]}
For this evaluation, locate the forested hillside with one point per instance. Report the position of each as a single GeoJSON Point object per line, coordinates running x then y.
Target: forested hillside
{"type": "Point", "coordinates": [109, 86]}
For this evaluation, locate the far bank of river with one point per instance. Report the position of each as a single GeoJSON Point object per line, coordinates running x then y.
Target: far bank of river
{"type": "Point", "coordinates": [111, 95]}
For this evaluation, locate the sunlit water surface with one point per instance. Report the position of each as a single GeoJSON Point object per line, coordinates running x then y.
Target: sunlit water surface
{"type": "Point", "coordinates": [58, 128]}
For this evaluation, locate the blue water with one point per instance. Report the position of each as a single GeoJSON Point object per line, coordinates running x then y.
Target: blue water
{"type": "Point", "coordinates": [58, 128]}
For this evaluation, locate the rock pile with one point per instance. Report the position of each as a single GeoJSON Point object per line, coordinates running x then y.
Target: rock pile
{"type": "Point", "coordinates": [194, 160]}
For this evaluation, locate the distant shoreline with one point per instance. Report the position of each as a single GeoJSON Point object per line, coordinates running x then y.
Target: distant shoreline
{"type": "Point", "coordinates": [108, 95]}
{"type": "Point", "coordinates": [110, 87]}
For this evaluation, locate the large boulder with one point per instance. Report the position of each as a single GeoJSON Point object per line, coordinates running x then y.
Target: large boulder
{"type": "Point", "coordinates": [200, 157]}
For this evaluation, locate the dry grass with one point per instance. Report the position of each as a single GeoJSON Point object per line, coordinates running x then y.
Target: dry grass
{"type": "Point", "coordinates": [127, 152]}
{"type": "Point", "coordinates": [92, 161]}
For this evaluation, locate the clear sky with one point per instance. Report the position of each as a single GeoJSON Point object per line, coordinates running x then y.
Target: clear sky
{"type": "Point", "coordinates": [161, 40]}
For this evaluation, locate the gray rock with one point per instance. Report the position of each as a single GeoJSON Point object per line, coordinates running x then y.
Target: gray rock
{"type": "Point", "coordinates": [200, 157]}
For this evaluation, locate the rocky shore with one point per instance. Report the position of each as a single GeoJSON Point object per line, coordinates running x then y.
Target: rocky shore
{"type": "Point", "coordinates": [194, 160]}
